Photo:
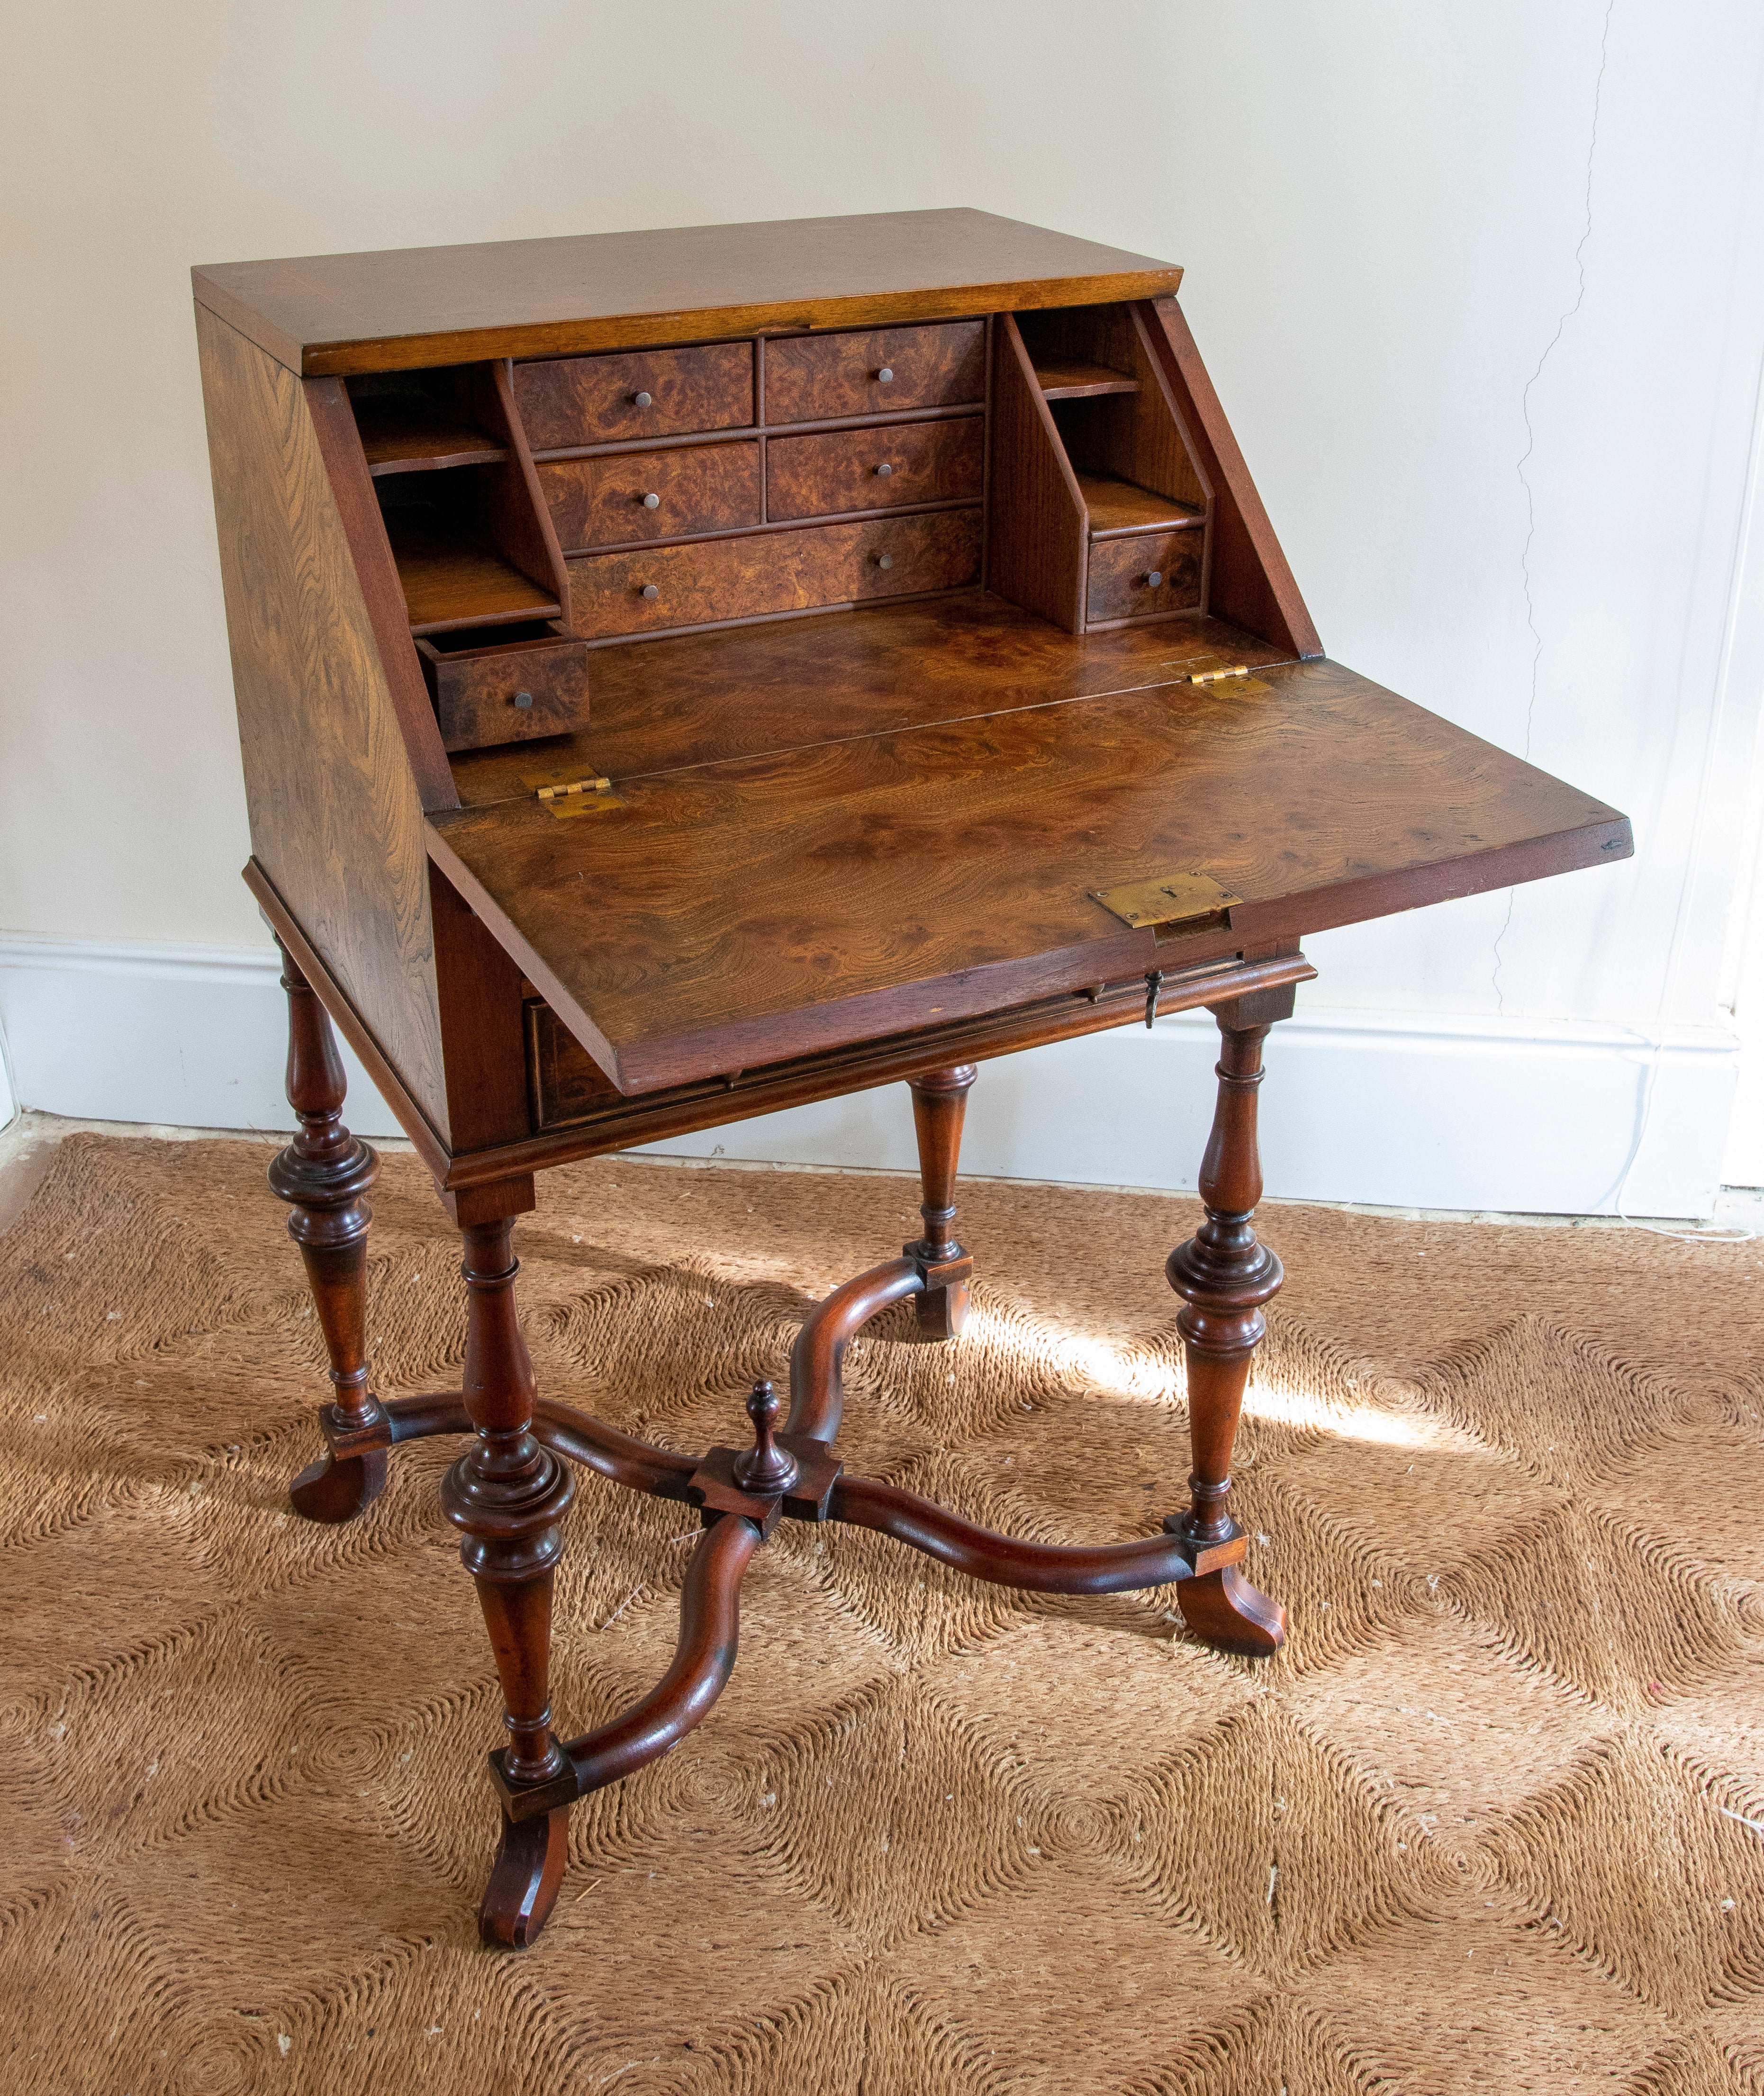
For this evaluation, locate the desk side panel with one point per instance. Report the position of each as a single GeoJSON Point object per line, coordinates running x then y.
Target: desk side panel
{"type": "Point", "coordinates": [336, 822]}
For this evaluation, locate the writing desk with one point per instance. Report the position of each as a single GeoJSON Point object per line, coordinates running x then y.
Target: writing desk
{"type": "Point", "coordinates": [684, 674]}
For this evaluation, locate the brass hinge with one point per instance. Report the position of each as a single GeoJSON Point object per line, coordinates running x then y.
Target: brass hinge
{"type": "Point", "coordinates": [1174, 906]}
{"type": "Point", "coordinates": [571, 793]}
{"type": "Point", "coordinates": [1216, 672]}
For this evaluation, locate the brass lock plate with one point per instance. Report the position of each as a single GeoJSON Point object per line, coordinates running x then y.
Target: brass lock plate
{"type": "Point", "coordinates": [1175, 906]}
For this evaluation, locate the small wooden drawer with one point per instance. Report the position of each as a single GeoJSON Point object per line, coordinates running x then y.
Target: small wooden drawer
{"type": "Point", "coordinates": [1157, 571]}
{"type": "Point", "coordinates": [773, 572]}
{"type": "Point", "coordinates": [570, 400]}
{"type": "Point", "coordinates": [886, 468]}
{"type": "Point", "coordinates": [506, 684]}
{"type": "Point", "coordinates": [825, 378]}
{"type": "Point", "coordinates": [623, 495]}
{"type": "Point", "coordinates": [565, 1084]}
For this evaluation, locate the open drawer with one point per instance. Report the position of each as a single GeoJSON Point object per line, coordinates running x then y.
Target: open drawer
{"type": "Point", "coordinates": [506, 684]}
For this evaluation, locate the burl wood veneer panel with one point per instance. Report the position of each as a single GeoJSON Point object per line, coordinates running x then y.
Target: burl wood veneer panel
{"type": "Point", "coordinates": [821, 378]}
{"type": "Point", "coordinates": [698, 488]}
{"type": "Point", "coordinates": [773, 572]}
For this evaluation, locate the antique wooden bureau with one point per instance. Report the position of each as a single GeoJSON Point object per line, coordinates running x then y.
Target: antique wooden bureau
{"type": "Point", "coordinates": [684, 673]}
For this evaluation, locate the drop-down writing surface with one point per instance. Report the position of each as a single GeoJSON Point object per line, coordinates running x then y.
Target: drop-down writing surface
{"type": "Point", "coordinates": [736, 912]}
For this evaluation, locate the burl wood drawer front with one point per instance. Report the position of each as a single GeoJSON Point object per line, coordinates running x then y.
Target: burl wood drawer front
{"type": "Point", "coordinates": [773, 572]}
{"type": "Point", "coordinates": [825, 378]}
{"type": "Point", "coordinates": [639, 393]}
{"type": "Point", "coordinates": [1133, 578]}
{"type": "Point", "coordinates": [506, 690]}
{"type": "Point", "coordinates": [623, 495]}
{"type": "Point", "coordinates": [876, 469]}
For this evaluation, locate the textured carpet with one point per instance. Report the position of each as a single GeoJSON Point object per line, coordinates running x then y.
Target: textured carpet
{"type": "Point", "coordinates": [1494, 1821]}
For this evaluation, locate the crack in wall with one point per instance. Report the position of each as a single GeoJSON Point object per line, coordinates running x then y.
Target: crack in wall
{"type": "Point", "coordinates": [1530, 446]}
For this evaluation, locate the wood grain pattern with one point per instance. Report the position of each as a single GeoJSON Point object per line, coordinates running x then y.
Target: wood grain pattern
{"type": "Point", "coordinates": [593, 399]}
{"type": "Point", "coordinates": [818, 378]}
{"type": "Point", "coordinates": [702, 487]}
{"type": "Point", "coordinates": [701, 698]}
{"type": "Point", "coordinates": [1121, 569]}
{"type": "Point", "coordinates": [414, 307]}
{"type": "Point", "coordinates": [335, 815]}
{"type": "Point", "coordinates": [742, 912]}
{"type": "Point", "coordinates": [833, 474]}
{"type": "Point", "coordinates": [1250, 582]}
{"type": "Point", "coordinates": [1036, 543]}
{"type": "Point", "coordinates": [777, 571]}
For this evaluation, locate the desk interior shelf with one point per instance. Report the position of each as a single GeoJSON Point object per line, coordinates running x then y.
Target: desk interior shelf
{"type": "Point", "coordinates": [451, 579]}
{"type": "Point", "coordinates": [1118, 505]}
{"type": "Point", "coordinates": [403, 433]}
{"type": "Point", "coordinates": [1071, 378]}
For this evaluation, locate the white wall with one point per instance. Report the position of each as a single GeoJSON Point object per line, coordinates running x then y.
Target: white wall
{"type": "Point", "coordinates": [1384, 211]}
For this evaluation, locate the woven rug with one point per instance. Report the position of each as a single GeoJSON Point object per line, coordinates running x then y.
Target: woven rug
{"type": "Point", "coordinates": [1494, 1820]}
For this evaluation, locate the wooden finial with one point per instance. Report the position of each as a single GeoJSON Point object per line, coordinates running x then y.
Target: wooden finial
{"type": "Point", "coordinates": [766, 1467]}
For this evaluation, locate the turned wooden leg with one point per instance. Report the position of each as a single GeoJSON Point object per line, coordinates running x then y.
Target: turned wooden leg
{"type": "Point", "coordinates": [1225, 1276]}
{"type": "Point", "coordinates": [940, 1105]}
{"type": "Point", "coordinates": [323, 1175]}
{"type": "Point", "coordinates": [508, 1494]}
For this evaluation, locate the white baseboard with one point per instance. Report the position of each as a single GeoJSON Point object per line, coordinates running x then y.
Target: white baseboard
{"type": "Point", "coordinates": [192, 1036]}
{"type": "Point", "coordinates": [1524, 1115]}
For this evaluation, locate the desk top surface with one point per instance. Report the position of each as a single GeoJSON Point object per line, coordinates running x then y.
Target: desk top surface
{"type": "Point", "coordinates": [401, 309]}
{"type": "Point", "coordinates": [837, 827]}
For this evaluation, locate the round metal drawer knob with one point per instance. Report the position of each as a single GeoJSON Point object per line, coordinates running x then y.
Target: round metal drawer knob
{"type": "Point", "coordinates": [1154, 580]}
{"type": "Point", "coordinates": [641, 400]}
{"type": "Point", "coordinates": [652, 502]}
{"type": "Point", "coordinates": [650, 592]}
{"type": "Point", "coordinates": [523, 700]}
{"type": "Point", "coordinates": [885, 376]}
{"type": "Point", "coordinates": [884, 560]}
{"type": "Point", "coordinates": [884, 469]}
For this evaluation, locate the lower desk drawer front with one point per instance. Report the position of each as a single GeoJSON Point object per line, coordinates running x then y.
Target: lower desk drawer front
{"type": "Point", "coordinates": [607, 501]}
{"type": "Point", "coordinates": [883, 468]}
{"type": "Point", "coordinates": [506, 684]}
{"type": "Point", "coordinates": [773, 572]}
{"type": "Point", "coordinates": [1133, 577]}
{"type": "Point", "coordinates": [564, 1083]}
{"type": "Point", "coordinates": [566, 400]}
{"type": "Point", "coordinates": [826, 378]}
